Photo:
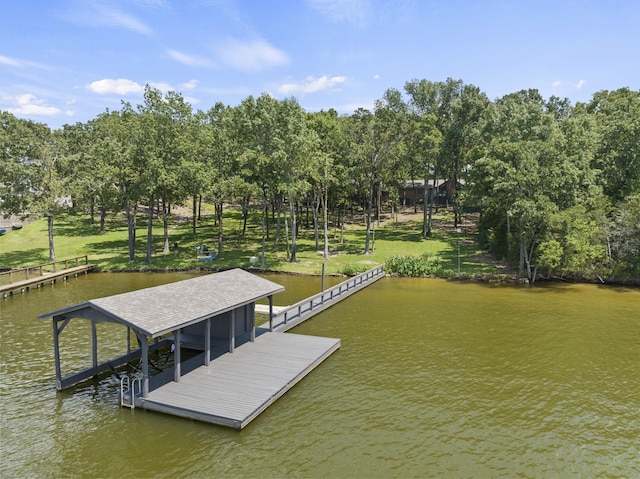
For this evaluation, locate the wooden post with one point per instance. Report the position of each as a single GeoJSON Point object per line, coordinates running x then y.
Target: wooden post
{"type": "Point", "coordinates": [144, 358]}
{"type": "Point", "coordinates": [94, 343]}
{"type": "Point", "coordinates": [56, 354]}
{"type": "Point", "coordinates": [176, 352]}
{"type": "Point", "coordinates": [207, 342]}
{"type": "Point", "coordinates": [232, 331]}
{"type": "Point", "coordinates": [271, 312]}
{"type": "Point", "coordinates": [251, 311]}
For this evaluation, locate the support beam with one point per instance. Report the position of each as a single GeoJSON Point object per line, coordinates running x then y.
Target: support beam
{"type": "Point", "coordinates": [176, 356]}
{"type": "Point", "coordinates": [144, 358]}
{"type": "Point", "coordinates": [207, 342]}
{"type": "Point", "coordinates": [232, 331]}
{"type": "Point", "coordinates": [94, 344]}
{"type": "Point", "coordinates": [270, 312]}
{"type": "Point", "coordinates": [251, 311]}
{"type": "Point", "coordinates": [56, 353]}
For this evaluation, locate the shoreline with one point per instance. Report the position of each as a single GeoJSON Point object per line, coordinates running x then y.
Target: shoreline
{"type": "Point", "coordinates": [478, 278]}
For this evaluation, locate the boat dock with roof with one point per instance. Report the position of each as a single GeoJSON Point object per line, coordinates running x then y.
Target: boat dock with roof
{"type": "Point", "coordinates": [235, 369]}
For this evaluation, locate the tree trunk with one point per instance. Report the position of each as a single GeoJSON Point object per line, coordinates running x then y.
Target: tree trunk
{"type": "Point", "coordinates": [264, 239]}
{"type": "Point", "coordinates": [194, 212]}
{"type": "Point", "coordinates": [103, 216]}
{"type": "Point", "coordinates": [93, 210]}
{"type": "Point", "coordinates": [52, 250]}
{"type": "Point", "coordinates": [316, 206]}
{"type": "Point", "coordinates": [425, 215]}
{"type": "Point", "coordinates": [523, 248]}
{"type": "Point", "coordinates": [150, 230]}
{"type": "Point", "coordinates": [369, 207]}
{"type": "Point", "coordinates": [326, 224]}
{"type": "Point", "coordinates": [245, 215]}
{"type": "Point", "coordinates": [165, 227]}
{"type": "Point", "coordinates": [130, 230]}
{"type": "Point", "coordinates": [415, 196]}
{"type": "Point", "coordinates": [293, 229]}
{"type": "Point", "coordinates": [278, 205]}
{"type": "Point", "coordinates": [220, 230]}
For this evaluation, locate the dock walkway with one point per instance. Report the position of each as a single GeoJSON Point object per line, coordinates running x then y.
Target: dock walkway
{"type": "Point", "coordinates": [236, 387]}
{"type": "Point", "coordinates": [285, 318]}
{"type": "Point", "coordinates": [37, 276]}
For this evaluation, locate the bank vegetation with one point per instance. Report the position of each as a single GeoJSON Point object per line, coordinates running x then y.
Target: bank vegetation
{"type": "Point", "coordinates": [554, 187]}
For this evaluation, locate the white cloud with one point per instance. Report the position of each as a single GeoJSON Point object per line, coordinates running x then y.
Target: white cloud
{"type": "Point", "coordinates": [190, 85]}
{"type": "Point", "coordinates": [30, 105]}
{"type": "Point", "coordinates": [163, 87]}
{"type": "Point", "coordinates": [101, 14]}
{"type": "Point", "coordinates": [376, 76]}
{"type": "Point", "coordinates": [20, 63]}
{"type": "Point", "coordinates": [580, 84]}
{"type": "Point", "coordinates": [556, 84]}
{"type": "Point", "coordinates": [120, 86]}
{"type": "Point", "coordinates": [355, 12]}
{"type": "Point", "coordinates": [12, 62]}
{"type": "Point", "coordinates": [311, 85]}
{"type": "Point", "coordinates": [189, 60]}
{"type": "Point", "coordinates": [251, 56]}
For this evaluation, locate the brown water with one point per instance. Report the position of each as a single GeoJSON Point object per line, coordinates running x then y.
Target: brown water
{"type": "Point", "coordinates": [433, 379]}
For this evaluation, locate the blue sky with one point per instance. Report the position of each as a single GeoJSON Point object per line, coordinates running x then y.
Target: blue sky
{"type": "Point", "coordinates": [64, 61]}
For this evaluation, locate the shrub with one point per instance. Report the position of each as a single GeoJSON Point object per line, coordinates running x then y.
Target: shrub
{"type": "Point", "coordinates": [413, 266]}
{"type": "Point", "coordinates": [352, 269]}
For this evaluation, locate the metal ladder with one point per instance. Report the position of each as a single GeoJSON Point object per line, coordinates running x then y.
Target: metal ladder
{"type": "Point", "coordinates": [128, 387]}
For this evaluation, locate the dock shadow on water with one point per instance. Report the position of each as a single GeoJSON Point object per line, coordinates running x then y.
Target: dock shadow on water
{"type": "Point", "coordinates": [433, 379]}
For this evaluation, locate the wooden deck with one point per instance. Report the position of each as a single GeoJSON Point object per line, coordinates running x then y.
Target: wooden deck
{"type": "Point", "coordinates": [236, 387]}
{"type": "Point", "coordinates": [25, 285]}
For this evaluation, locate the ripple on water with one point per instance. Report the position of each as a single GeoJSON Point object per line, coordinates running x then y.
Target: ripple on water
{"type": "Point", "coordinates": [433, 379]}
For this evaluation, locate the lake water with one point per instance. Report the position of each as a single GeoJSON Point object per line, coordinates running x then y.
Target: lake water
{"type": "Point", "coordinates": [433, 379]}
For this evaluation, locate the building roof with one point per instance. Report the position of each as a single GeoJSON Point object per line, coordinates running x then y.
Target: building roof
{"type": "Point", "coordinates": [161, 309]}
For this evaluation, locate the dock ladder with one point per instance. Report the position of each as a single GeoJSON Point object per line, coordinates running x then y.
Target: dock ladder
{"type": "Point", "coordinates": [129, 387]}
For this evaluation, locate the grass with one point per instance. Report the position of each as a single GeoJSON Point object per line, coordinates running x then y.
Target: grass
{"type": "Point", "coordinates": [76, 236]}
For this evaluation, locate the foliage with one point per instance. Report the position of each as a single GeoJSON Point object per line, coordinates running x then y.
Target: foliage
{"type": "Point", "coordinates": [414, 266]}
{"type": "Point", "coordinates": [555, 184]}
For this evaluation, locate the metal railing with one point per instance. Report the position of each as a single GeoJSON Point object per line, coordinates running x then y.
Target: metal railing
{"type": "Point", "coordinates": [20, 274]}
{"type": "Point", "coordinates": [314, 304]}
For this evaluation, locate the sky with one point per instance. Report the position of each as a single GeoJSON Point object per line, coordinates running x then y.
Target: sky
{"type": "Point", "coordinates": [67, 61]}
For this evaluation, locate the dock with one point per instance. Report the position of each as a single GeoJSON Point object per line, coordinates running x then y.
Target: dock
{"type": "Point", "coordinates": [23, 279]}
{"type": "Point", "coordinates": [235, 370]}
{"type": "Point", "coordinates": [287, 317]}
{"type": "Point", "coordinates": [236, 387]}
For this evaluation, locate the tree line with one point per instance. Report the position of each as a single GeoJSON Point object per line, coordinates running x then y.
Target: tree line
{"type": "Point", "coordinates": [556, 185]}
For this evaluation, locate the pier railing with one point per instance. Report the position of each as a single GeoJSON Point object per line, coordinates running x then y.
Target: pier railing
{"type": "Point", "coordinates": [21, 274]}
{"type": "Point", "coordinates": [303, 310]}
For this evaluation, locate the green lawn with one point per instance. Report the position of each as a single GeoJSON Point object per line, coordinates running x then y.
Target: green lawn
{"type": "Point", "coordinates": [76, 236]}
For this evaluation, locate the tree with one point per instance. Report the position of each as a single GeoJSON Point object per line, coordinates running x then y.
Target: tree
{"type": "Point", "coordinates": [373, 141]}
{"type": "Point", "coordinates": [625, 236]}
{"type": "Point", "coordinates": [514, 180]}
{"type": "Point", "coordinates": [617, 114]}
{"type": "Point", "coordinates": [18, 150]}
{"type": "Point", "coordinates": [164, 122]}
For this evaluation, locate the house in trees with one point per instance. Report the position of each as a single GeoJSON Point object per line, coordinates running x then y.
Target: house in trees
{"type": "Point", "coordinates": [412, 192]}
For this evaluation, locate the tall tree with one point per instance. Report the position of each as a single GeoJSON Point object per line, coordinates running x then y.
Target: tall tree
{"type": "Point", "coordinates": [617, 115]}
{"type": "Point", "coordinates": [164, 122]}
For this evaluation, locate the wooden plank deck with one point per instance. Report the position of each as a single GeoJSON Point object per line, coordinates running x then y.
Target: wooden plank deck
{"type": "Point", "coordinates": [238, 386]}
{"type": "Point", "coordinates": [47, 278]}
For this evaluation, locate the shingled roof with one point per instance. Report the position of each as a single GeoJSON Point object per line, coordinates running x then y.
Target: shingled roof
{"type": "Point", "coordinates": [161, 309]}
